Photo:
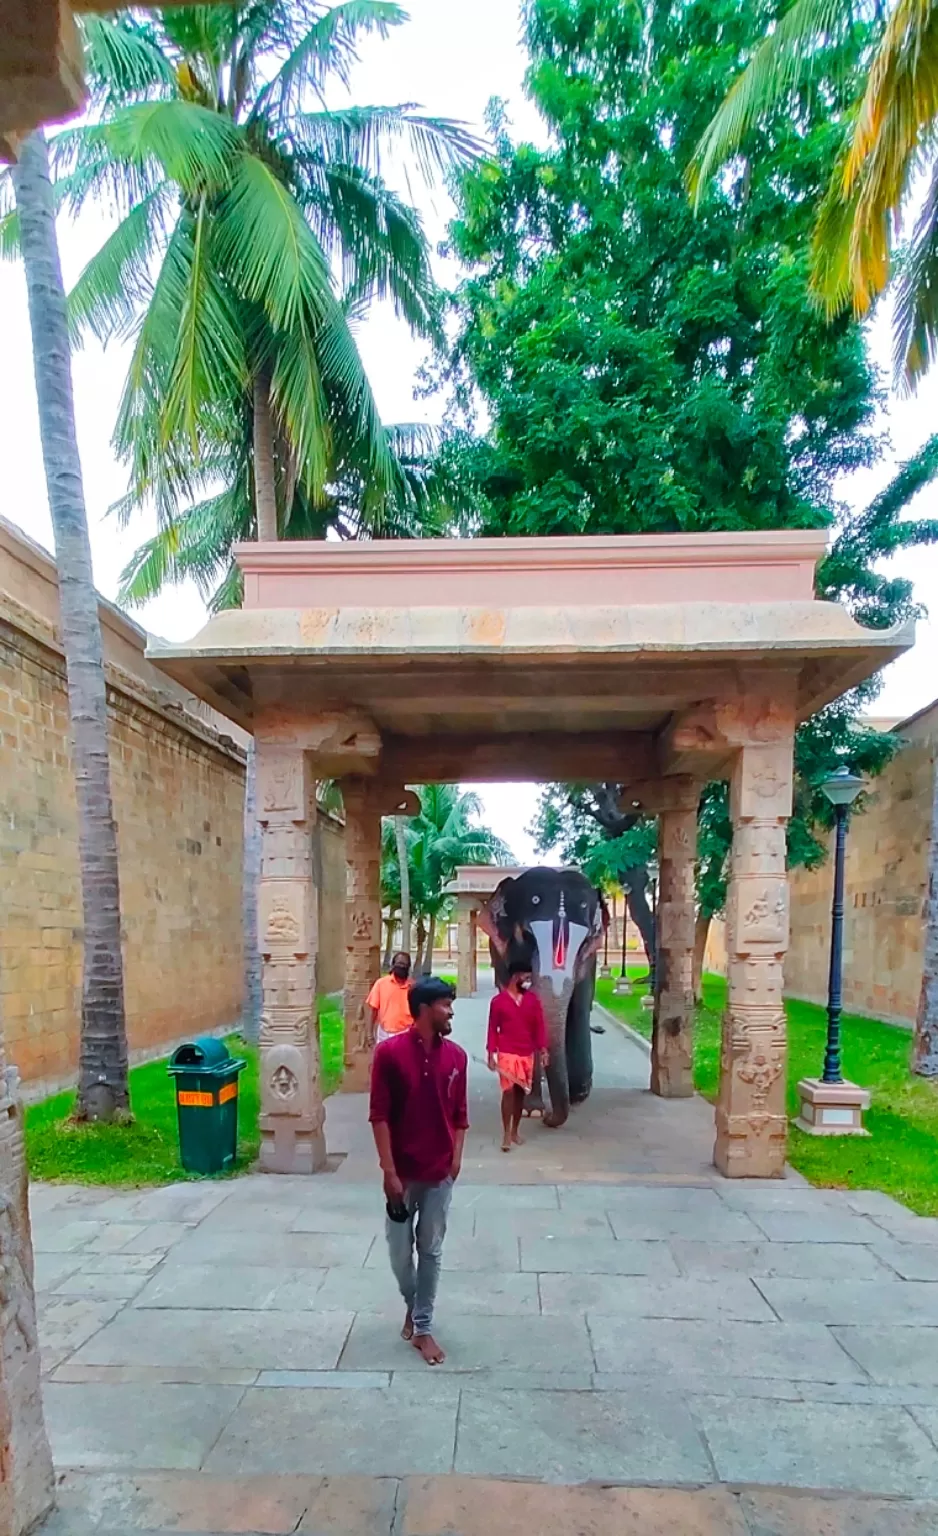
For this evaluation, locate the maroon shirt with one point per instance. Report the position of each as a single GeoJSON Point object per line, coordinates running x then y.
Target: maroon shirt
{"type": "Point", "coordinates": [520, 1029]}
{"type": "Point", "coordinates": [420, 1094]}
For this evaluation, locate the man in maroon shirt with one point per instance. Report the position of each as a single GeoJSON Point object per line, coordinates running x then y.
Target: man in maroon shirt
{"type": "Point", "coordinates": [419, 1118]}
{"type": "Point", "coordinates": [517, 1038]}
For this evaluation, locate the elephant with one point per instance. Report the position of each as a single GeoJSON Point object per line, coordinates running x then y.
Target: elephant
{"type": "Point", "coordinates": [555, 919]}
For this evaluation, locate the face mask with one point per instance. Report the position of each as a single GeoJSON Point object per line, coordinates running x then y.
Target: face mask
{"type": "Point", "coordinates": [401, 972]}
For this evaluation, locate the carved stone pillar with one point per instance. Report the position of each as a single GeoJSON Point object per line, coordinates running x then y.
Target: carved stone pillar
{"type": "Point", "coordinates": [25, 1463]}
{"type": "Point", "coordinates": [473, 952]}
{"type": "Point", "coordinates": [291, 1121]}
{"type": "Point", "coordinates": [672, 1063]}
{"type": "Point", "coordinates": [466, 939]}
{"type": "Point", "coordinates": [362, 924]}
{"type": "Point", "coordinates": [751, 1121]}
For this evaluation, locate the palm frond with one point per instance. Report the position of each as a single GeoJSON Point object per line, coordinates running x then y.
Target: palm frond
{"type": "Point", "coordinates": [196, 545]}
{"type": "Point", "coordinates": [327, 47]}
{"type": "Point", "coordinates": [123, 59]}
{"type": "Point", "coordinates": [180, 140]}
{"type": "Point", "coordinates": [783, 62]}
{"type": "Point", "coordinates": [268, 249]}
{"type": "Point", "coordinates": [209, 355]}
{"type": "Point", "coordinates": [362, 136]}
{"type": "Point", "coordinates": [916, 296]}
{"type": "Point", "coordinates": [116, 282]}
{"type": "Point", "coordinates": [300, 404]}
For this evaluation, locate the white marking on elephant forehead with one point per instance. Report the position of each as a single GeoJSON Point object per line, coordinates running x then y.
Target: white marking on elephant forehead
{"type": "Point", "coordinates": [544, 939]}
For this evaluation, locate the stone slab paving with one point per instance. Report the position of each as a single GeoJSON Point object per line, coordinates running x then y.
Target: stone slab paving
{"type": "Point", "coordinates": [614, 1314]}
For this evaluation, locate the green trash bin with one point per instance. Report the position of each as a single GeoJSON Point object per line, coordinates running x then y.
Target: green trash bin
{"type": "Point", "coordinates": [206, 1076]}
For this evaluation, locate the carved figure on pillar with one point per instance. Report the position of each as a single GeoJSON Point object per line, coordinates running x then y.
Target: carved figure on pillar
{"type": "Point", "coordinates": [291, 1121]}
{"type": "Point", "coordinates": [751, 1120]}
{"type": "Point", "coordinates": [466, 941]}
{"type": "Point", "coordinates": [672, 1063]}
{"type": "Point", "coordinates": [25, 1462]}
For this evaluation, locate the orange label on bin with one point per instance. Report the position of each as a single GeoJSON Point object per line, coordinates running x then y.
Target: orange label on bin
{"type": "Point", "coordinates": [230, 1091]}
{"type": "Point", "coordinates": [196, 1100]}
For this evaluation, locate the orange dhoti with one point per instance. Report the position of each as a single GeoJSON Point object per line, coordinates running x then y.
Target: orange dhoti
{"type": "Point", "coordinates": [515, 1072]}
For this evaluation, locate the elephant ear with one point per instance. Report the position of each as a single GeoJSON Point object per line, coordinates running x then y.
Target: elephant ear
{"type": "Point", "coordinates": [494, 912]}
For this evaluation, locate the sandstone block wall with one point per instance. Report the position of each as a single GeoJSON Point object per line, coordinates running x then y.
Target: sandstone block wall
{"type": "Point", "coordinates": [178, 786]}
{"type": "Point", "coordinates": [886, 886]}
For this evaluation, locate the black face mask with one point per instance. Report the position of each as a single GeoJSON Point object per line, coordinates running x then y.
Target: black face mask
{"type": "Point", "coordinates": [400, 971]}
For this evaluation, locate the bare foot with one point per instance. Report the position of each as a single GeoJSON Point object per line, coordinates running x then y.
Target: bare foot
{"type": "Point", "coordinates": [425, 1344]}
{"type": "Point", "coordinates": [517, 1138]}
{"type": "Point", "coordinates": [506, 1143]}
{"type": "Point", "coordinates": [407, 1332]}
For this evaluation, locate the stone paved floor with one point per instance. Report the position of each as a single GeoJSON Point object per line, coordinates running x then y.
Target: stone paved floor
{"type": "Point", "coordinates": [614, 1314]}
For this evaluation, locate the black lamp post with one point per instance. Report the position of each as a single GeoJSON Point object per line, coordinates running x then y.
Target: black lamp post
{"type": "Point", "coordinates": [841, 790]}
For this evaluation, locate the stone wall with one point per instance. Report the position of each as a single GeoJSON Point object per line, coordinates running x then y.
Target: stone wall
{"type": "Point", "coordinates": [886, 885]}
{"type": "Point", "coordinates": [178, 787]}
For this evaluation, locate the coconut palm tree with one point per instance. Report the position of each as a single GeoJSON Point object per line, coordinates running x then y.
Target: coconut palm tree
{"type": "Point", "coordinates": [444, 835]}
{"type": "Point", "coordinates": [254, 226]}
{"type": "Point", "coordinates": [102, 1072]}
{"type": "Point", "coordinates": [889, 142]}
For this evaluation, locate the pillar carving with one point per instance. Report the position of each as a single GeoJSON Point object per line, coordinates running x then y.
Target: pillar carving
{"type": "Point", "coordinates": [25, 1462]}
{"type": "Point", "coordinates": [291, 1121]}
{"type": "Point", "coordinates": [751, 1120]}
{"type": "Point", "coordinates": [672, 1064]}
{"type": "Point", "coordinates": [362, 924]}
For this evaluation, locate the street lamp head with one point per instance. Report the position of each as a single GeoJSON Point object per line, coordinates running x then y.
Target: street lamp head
{"type": "Point", "coordinates": [842, 787]}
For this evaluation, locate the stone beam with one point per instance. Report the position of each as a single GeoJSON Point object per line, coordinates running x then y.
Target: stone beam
{"type": "Point", "coordinates": [679, 793]}
{"type": "Point", "coordinates": [702, 741]}
{"type": "Point", "coordinates": [520, 756]}
{"type": "Point", "coordinates": [41, 74]}
{"type": "Point", "coordinates": [291, 1121]}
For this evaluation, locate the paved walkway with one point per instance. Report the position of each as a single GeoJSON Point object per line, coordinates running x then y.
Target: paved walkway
{"type": "Point", "coordinates": [224, 1356]}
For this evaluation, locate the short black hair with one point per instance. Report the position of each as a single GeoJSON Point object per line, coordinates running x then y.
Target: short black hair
{"type": "Point", "coordinates": [520, 967]}
{"type": "Point", "coordinates": [429, 990]}
{"type": "Point", "coordinates": [400, 954]}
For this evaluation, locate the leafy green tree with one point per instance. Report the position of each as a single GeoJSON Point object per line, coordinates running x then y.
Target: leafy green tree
{"type": "Point", "coordinates": [255, 225]}
{"type": "Point", "coordinates": [644, 370]}
{"type": "Point", "coordinates": [888, 141]}
{"type": "Point", "coordinates": [444, 835]}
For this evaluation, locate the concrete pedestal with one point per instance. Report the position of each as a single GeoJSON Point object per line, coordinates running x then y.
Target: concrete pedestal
{"type": "Point", "coordinates": [832, 1109]}
{"type": "Point", "coordinates": [622, 987]}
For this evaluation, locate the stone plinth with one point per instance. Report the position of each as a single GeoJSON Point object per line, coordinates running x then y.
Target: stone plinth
{"type": "Point", "coordinates": [832, 1109]}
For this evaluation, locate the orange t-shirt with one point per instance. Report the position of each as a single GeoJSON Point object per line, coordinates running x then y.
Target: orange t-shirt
{"type": "Point", "coordinates": [390, 997]}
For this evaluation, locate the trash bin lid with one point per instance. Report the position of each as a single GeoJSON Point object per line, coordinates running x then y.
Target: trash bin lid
{"type": "Point", "coordinates": [204, 1054]}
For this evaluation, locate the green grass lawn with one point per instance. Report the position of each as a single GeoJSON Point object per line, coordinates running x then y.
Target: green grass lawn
{"type": "Point", "coordinates": [147, 1151]}
{"type": "Point", "coordinates": [900, 1156]}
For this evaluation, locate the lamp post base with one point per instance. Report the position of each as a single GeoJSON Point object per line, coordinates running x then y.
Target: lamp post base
{"type": "Point", "coordinates": [832, 1109]}
{"type": "Point", "coordinates": [605, 971]}
{"type": "Point", "coordinates": [622, 986]}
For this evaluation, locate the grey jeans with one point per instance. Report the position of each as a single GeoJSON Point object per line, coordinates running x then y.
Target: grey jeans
{"type": "Point", "coordinates": [428, 1205]}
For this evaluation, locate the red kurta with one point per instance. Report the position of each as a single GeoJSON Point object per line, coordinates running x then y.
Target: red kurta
{"type": "Point", "coordinates": [517, 1029]}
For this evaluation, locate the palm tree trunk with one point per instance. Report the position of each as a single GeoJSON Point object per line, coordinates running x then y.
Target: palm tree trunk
{"type": "Point", "coordinates": [251, 1006]}
{"type": "Point", "coordinates": [404, 868]}
{"type": "Point", "coordinates": [925, 1048]}
{"type": "Point", "coordinates": [265, 488]}
{"type": "Point", "coordinates": [102, 1072]}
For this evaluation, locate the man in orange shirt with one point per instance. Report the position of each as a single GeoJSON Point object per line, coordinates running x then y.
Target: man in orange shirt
{"type": "Point", "coordinates": [389, 1000]}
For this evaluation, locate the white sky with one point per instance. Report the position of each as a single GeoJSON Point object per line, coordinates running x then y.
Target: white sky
{"type": "Point", "coordinates": [450, 59]}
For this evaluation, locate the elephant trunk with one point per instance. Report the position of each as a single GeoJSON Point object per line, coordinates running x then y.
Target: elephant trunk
{"type": "Point", "coordinates": [555, 1011]}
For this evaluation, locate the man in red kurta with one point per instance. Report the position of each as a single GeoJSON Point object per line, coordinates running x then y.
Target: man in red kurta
{"type": "Point", "coordinates": [517, 1035]}
{"type": "Point", "coordinates": [419, 1118]}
